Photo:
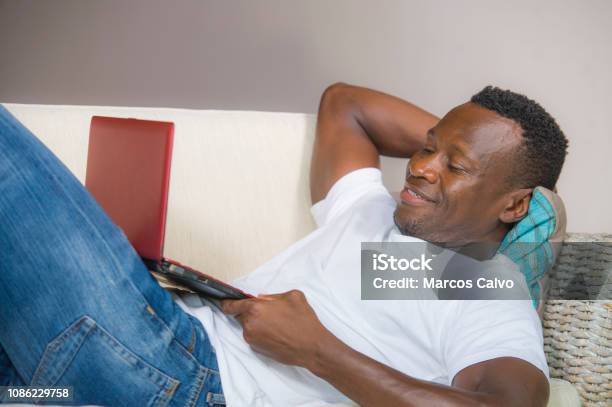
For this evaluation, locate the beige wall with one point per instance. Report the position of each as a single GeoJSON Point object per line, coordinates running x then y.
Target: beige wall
{"type": "Point", "coordinates": [279, 55]}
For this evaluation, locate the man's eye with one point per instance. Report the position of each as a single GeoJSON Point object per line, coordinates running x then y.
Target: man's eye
{"type": "Point", "coordinates": [456, 168]}
{"type": "Point", "coordinates": [428, 150]}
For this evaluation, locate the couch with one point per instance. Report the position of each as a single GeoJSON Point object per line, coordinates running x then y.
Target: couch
{"type": "Point", "coordinates": [239, 194]}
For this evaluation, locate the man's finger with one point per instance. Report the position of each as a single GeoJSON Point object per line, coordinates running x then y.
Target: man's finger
{"type": "Point", "coordinates": [272, 296]}
{"type": "Point", "coordinates": [235, 307]}
{"type": "Point", "coordinates": [268, 296]}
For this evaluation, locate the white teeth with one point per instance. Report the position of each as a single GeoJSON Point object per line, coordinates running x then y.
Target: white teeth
{"type": "Point", "coordinates": [415, 194]}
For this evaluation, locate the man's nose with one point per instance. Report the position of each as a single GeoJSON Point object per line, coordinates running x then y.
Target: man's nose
{"type": "Point", "coordinates": [424, 168]}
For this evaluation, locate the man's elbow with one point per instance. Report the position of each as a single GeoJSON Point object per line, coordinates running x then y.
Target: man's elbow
{"type": "Point", "coordinates": [336, 96]}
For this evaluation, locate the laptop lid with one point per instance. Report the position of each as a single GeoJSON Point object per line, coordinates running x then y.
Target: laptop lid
{"type": "Point", "coordinates": [128, 173]}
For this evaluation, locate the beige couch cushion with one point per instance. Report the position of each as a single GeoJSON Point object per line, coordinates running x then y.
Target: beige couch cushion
{"type": "Point", "coordinates": [239, 180]}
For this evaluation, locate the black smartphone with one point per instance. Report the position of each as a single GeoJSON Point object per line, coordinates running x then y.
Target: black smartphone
{"type": "Point", "coordinates": [196, 281]}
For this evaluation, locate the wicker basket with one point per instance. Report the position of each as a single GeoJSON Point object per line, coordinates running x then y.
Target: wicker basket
{"type": "Point", "coordinates": [578, 331]}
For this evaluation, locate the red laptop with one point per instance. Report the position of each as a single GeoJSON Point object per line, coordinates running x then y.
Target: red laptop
{"type": "Point", "coordinates": [128, 172]}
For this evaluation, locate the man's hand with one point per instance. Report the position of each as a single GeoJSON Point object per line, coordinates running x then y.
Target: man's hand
{"type": "Point", "coordinates": [281, 326]}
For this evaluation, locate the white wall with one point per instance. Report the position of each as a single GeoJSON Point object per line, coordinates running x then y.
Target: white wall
{"type": "Point", "coordinates": [279, 55]}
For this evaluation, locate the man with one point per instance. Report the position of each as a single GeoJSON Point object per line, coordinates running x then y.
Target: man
{"type": "Point", "coordinates": [469, 179]}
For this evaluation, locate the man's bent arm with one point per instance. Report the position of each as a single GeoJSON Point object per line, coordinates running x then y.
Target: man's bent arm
{"type": "Point", "coordinates": [355, 125]}
{"type": "Point", "coordinates": [285, 328]}
{"type": "Point", "coordinates": [496, 382]}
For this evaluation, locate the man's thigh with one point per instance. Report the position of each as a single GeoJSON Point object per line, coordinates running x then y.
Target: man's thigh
{"type": "Point", "coordinates": [78, 306]}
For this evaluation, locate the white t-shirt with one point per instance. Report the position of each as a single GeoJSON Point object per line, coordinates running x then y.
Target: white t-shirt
{"type": "Point", "coordinates": [429, 340]}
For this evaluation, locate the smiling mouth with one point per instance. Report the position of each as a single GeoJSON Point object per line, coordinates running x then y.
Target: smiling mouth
{"type": "Point", "coordinates": [410, 196]}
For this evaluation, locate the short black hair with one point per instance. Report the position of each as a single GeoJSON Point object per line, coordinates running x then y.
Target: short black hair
{"type": "Point", "coordinates": [544, 147]}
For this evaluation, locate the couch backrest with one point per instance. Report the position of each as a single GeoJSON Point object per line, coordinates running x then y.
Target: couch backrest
{"type": "Point", "coordinates": [239, 183]}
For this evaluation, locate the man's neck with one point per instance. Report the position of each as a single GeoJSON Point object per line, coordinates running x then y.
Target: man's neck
{"type": "Point", "coordinates": [483, 248]}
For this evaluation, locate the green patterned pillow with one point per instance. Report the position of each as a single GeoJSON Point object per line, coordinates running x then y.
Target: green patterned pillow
{"type": "Point", "coordinates": [535, 241]}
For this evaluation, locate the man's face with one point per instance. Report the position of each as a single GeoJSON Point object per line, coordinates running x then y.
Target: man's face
{"type": "Point", "coordinates": [456, 185]}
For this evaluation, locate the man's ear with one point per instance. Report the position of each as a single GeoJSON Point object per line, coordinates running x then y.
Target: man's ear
{"type": "Point", "coordinates": [517, 205]}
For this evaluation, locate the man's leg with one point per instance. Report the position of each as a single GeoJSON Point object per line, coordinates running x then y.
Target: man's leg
{"type": "Point", "coordinates": [77, 305]}
{"type": "Point", "coordinates": [8, 373]}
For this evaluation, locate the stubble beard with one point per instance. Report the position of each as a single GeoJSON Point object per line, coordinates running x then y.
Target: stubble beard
{"type": "Point", "coordinates": [410, 227]}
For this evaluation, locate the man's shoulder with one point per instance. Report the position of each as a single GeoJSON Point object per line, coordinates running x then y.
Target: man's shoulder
{"type": "Point", "coordinates": [358, 192]}
{"type": "Point", "coordinates": [369, 219]}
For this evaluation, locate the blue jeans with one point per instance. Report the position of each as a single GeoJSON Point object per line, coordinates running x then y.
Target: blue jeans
{"type": "Point", "coordinates": [77, 305]}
